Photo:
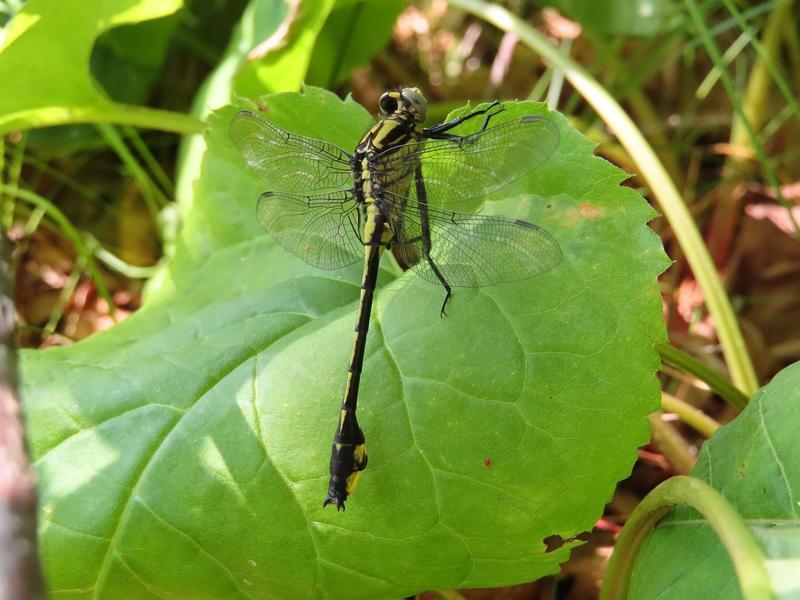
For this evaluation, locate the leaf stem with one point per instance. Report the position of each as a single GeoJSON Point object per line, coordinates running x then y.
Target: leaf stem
{"type": "Point", "coordinates": [663, 188]}
{"type": "Point", "coordinates": [147, 156]}
{"type": "Point", "coordinates": [119, 114]}
{"type": "Point", "coordinates": [742, 547]}
{"type": "Point", "coordinates": [112, 261]}
{"type": "Point", "coordinates": [715, 381]}
{"type": "Point", "coordinates": [693, 417]}
{"type": "Point", "coordinates": [671, 444]}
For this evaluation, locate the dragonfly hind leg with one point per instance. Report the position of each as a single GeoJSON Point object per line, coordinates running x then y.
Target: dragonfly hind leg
{"type": "Point", "coordinates": [443, 281]}
{"type": "Point", "coordinates": [406, 264]}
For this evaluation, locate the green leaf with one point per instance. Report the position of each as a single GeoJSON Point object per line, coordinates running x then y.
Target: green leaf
{"type": "Point", "coordinates": [126, 60]}
{"type": "Point", "coordinates": [620, 17]}
{"type": "Point", "coordinates": [352, 35]}
{"type": "Point", "coordinates": [185, 451]}
{"type": "Point", "coordinates": [45, 53]}
{"type": "Point", "coordinates": [270, 69]}
{"type": "Point", "coordinates": [752, 462]}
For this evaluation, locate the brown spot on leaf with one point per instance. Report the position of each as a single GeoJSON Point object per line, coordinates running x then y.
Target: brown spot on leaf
{"type": "Point", "coordinates": [590, 211]}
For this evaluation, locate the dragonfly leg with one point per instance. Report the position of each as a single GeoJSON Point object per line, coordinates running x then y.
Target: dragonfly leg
{"type": "Point", "coordinates": [443, 281]}
{"type": "Point", "coordinates": [439, 132]}
{"type": "Point", "coordinates": [422, 199]}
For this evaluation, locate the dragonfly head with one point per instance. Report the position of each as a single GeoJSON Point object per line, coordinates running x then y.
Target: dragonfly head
{"type": "Point", "coordinates": [407, 100]}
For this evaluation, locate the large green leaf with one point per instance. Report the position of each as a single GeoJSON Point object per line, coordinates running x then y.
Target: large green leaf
{"type": "Point", "coordinates": [184, 452]}
{"type": "Point", "coordinates": [45, 55]}
{"type": "Point", "coordinates": [753, 462]}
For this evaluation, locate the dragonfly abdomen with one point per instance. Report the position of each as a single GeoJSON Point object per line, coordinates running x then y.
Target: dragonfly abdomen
{"type": "Point", "coordinates": [348, 452]}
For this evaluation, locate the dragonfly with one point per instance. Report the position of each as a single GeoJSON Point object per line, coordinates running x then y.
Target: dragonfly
{"type": "Point", "coordinates": [399, 190]}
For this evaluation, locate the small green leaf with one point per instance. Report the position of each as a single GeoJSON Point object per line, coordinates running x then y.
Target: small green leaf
{"type": "Point", "coordinates": [753, 462]}
{"type": "Point", "coordinates": [280, 62]}
{"type": "Point", "coordinates": [185, 451]}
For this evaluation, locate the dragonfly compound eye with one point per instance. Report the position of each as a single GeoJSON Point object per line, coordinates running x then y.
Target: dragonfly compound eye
{"type": "Point", "coordinates": [387, 104]}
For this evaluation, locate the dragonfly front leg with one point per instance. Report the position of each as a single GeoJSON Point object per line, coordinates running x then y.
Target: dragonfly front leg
{"type": "Point", "coordinates": [422, 199]}
{"type": "Point", "coordinates": [439, 132]}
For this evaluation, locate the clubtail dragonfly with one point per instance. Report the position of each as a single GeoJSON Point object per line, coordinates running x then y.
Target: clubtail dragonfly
{"type": "Point", "coordinates": [398, 191]}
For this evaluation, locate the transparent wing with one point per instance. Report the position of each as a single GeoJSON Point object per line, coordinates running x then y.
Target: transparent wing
{"type": "Point", "coordinates": [322, 229]}
{"type": "Point", "coordinates": [288, 162]}
{"type": "Point", "coordinates": [469, 250]}
{"type": "Point", "coordinates": [460, 174]}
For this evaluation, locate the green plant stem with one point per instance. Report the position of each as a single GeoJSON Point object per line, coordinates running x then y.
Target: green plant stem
{"type": "Point", "coordinates": [541, 86]}
{"type": "Point", "coordinates": [745, 553]}
{"type": "Point", "coordinates": [64, 296]}
{"type": "Point", "coordinates": [671, 444]}
{"type": "Point", "coordinates": [791, 38]}
{"type": "Point", "coordinates": [557, 80]}
{"type": "Point", "coordinates": [715, 381]}
{"type": "Point", "coordinates": [150, 192]}
{"type": "Point", "coordinates": [150, 160]}
{"type": "Point", "coordinates": [14, 173]}
{"type": "Point", "coordinates": [70, 231]}
{"type": "Point", "coordinates": [662, 187]}
{"type": "Point", "coordinates": [34, 219]}
{"type": "Point", "coordinates": [693, 417]}
{"type": "Point", "coordinates": [119, 114]}
{"type": "Point", "coordinates": [733, 51]}
{"type": "Point", "coordinates": [112, 261]}
{"type": "Point", "coordinates": [65, 180]}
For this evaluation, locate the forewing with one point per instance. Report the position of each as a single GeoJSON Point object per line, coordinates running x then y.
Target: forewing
{"type": "Point", "coordinates": [289, 162]}
{"type": "Point", "coordinates": [321, 229]}
{"type": "Point", "coordinates": [471, 250]}
{"type": "Point", "coordinates": [461, 173]}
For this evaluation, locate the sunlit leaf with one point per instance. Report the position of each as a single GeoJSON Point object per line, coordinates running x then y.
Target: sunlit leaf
{"type": "Point", "coordinates": [45, 55]}
{"type": "Point", "coordinates": [185, 451]}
